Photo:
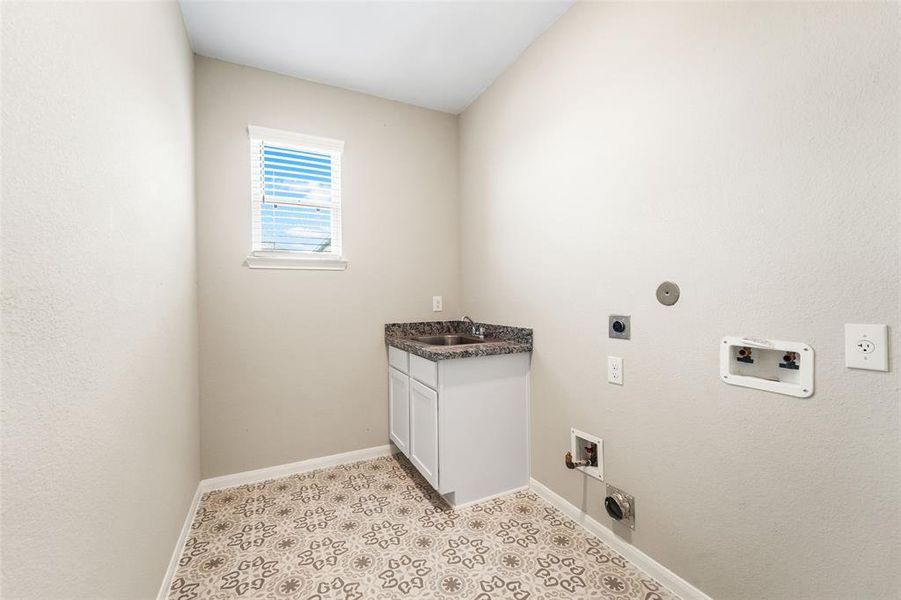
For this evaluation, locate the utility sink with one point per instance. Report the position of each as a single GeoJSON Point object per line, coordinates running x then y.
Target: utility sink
{"type": "Point", "coordinates": [450, 340]}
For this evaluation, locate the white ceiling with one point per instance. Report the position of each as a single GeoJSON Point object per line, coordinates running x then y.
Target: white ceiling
{"type": "Point", "coordinates": [436, 54]}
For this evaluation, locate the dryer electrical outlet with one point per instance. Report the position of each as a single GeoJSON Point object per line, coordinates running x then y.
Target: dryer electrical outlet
{"type": "Point", "coordinates": [866, 346]}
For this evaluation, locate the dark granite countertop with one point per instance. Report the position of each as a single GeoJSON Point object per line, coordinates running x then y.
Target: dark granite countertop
{"type": "Point", "coordinates": [499, 339]}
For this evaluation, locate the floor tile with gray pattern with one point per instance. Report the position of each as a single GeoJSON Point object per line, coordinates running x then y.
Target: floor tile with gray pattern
{"type": "Point", "coordinates": [374, 529]}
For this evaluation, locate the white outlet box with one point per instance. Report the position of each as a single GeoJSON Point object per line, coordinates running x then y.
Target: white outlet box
{"type": "Point", "coordinates": [615, 370]}
{"type": "Point", "coordinates": [770, 365]}
{"type": "Point", "coordinates": [866, 346]}
{"type": "Point", "coordinates": [437, 304]}
{"type": "Point", "coordinates": [578, 441]}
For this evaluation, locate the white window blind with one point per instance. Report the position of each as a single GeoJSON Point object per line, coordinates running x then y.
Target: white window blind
{"type": "Point", "coordinates": [296, 193]}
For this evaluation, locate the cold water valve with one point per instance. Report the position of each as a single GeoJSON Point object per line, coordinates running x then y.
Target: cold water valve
{"type": "Point", "coordinates": [789, 361]}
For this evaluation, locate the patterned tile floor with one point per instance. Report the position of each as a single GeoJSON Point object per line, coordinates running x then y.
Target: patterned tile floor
{"type": "Point", "coordinates": [375, 529]}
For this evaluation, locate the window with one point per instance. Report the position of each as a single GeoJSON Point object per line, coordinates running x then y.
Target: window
{"type": "Point", "coordinates": [296, 200]}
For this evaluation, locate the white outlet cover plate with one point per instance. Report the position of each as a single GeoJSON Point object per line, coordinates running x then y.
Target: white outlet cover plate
{"type": "Point", "coordinates": [615, 370]}
{"type": "Point", "coordinates": [866, 346]}
{"type": "Point", "coordinates": [437, 304]}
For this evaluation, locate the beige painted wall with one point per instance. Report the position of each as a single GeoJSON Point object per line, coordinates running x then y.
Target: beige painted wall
{"type": "Point", "coordinates": [293, 362]}
{"type": "Point", "coordinates": [749, 152]}
{"type": "Point", "coordinates": [100, 449]}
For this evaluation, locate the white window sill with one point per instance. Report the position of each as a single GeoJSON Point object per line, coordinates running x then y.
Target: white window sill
{"type": "Point", "coordinates": [278, 260]}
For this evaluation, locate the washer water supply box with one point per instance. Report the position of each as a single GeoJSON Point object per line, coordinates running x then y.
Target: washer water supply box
{"type": "Point", "coordinates": [769, 365]}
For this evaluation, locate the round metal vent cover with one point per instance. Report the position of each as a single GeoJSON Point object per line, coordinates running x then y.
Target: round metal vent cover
{"type": "Point", "coordinates": [667, 293]}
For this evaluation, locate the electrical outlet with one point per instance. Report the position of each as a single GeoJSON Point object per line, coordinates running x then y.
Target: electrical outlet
{"type": "Point", "coordinates": [437, 304]}
{"type": "Point", "coordinates": [615, 370]}
{"type": "Point", "coordinates": [866, 346]}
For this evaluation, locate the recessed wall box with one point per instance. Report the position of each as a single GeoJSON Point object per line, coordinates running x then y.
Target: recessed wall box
{"type": "Point", "coordinates": [619, 326]}
{"type": "Point", "coordinates": [769, 365]}
{"type": "Point", "coordinates": [585, 446]}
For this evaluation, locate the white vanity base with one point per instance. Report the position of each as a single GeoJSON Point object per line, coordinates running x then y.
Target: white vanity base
{"type": "Point", "coordinates": [464, 423]}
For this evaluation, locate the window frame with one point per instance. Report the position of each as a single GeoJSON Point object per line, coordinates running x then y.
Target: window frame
{"type": "Point", "coordinates": [301, 259]}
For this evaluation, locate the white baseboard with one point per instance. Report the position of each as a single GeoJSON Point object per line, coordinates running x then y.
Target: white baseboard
{"type": "Point", "coordinates": [235, 479]}
{"type": "Point", "coordinates": [182, 538]}
{"type": "Point", "coordinates": [661, 574]}
{"type": "Point", "coordinates": [485, 499]}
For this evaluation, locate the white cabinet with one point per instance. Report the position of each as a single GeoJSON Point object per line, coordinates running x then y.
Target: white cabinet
{"type": "Point", "coordinates": [399, 409]}
{"type": "Point", "coordinates": [424, 370]}
{"type": "Point", "coordinates": [398, 359]}
{"type": "Point", "coordinates": [424, 431]}
{"type": "Point", "coordinates": [462, 422]}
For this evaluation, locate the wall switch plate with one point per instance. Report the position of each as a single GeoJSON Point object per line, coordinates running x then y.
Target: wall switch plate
{"type": "Point", "coordinates": [615, 370]}
{"type": "Point", "coordinates": [866, 346]}
{"type": "Point", "coordinates": [437, 304]}
{"type": "Point", "coordinates": [619, 327]}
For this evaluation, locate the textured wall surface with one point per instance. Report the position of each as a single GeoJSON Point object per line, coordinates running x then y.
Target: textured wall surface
{"type": "Point", "coordinates": [100, 451]}
{"type": "Point", "coordinates": [293, 363]}
{"type": "Point", "coordinates": [749, 152]}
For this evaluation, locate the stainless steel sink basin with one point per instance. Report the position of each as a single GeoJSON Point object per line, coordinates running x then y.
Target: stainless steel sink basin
{"type": "Point", "coordinates": [453, 339]}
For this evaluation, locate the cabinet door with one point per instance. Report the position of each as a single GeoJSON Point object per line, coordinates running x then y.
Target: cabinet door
{"type": "Point", "coordinates": [399, 409]}
{"type": "Point", "coordinates": [424, 431]}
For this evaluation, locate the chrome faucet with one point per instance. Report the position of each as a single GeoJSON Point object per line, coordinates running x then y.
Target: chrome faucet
{"type": "Point", "coordinates": [477, 331]}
